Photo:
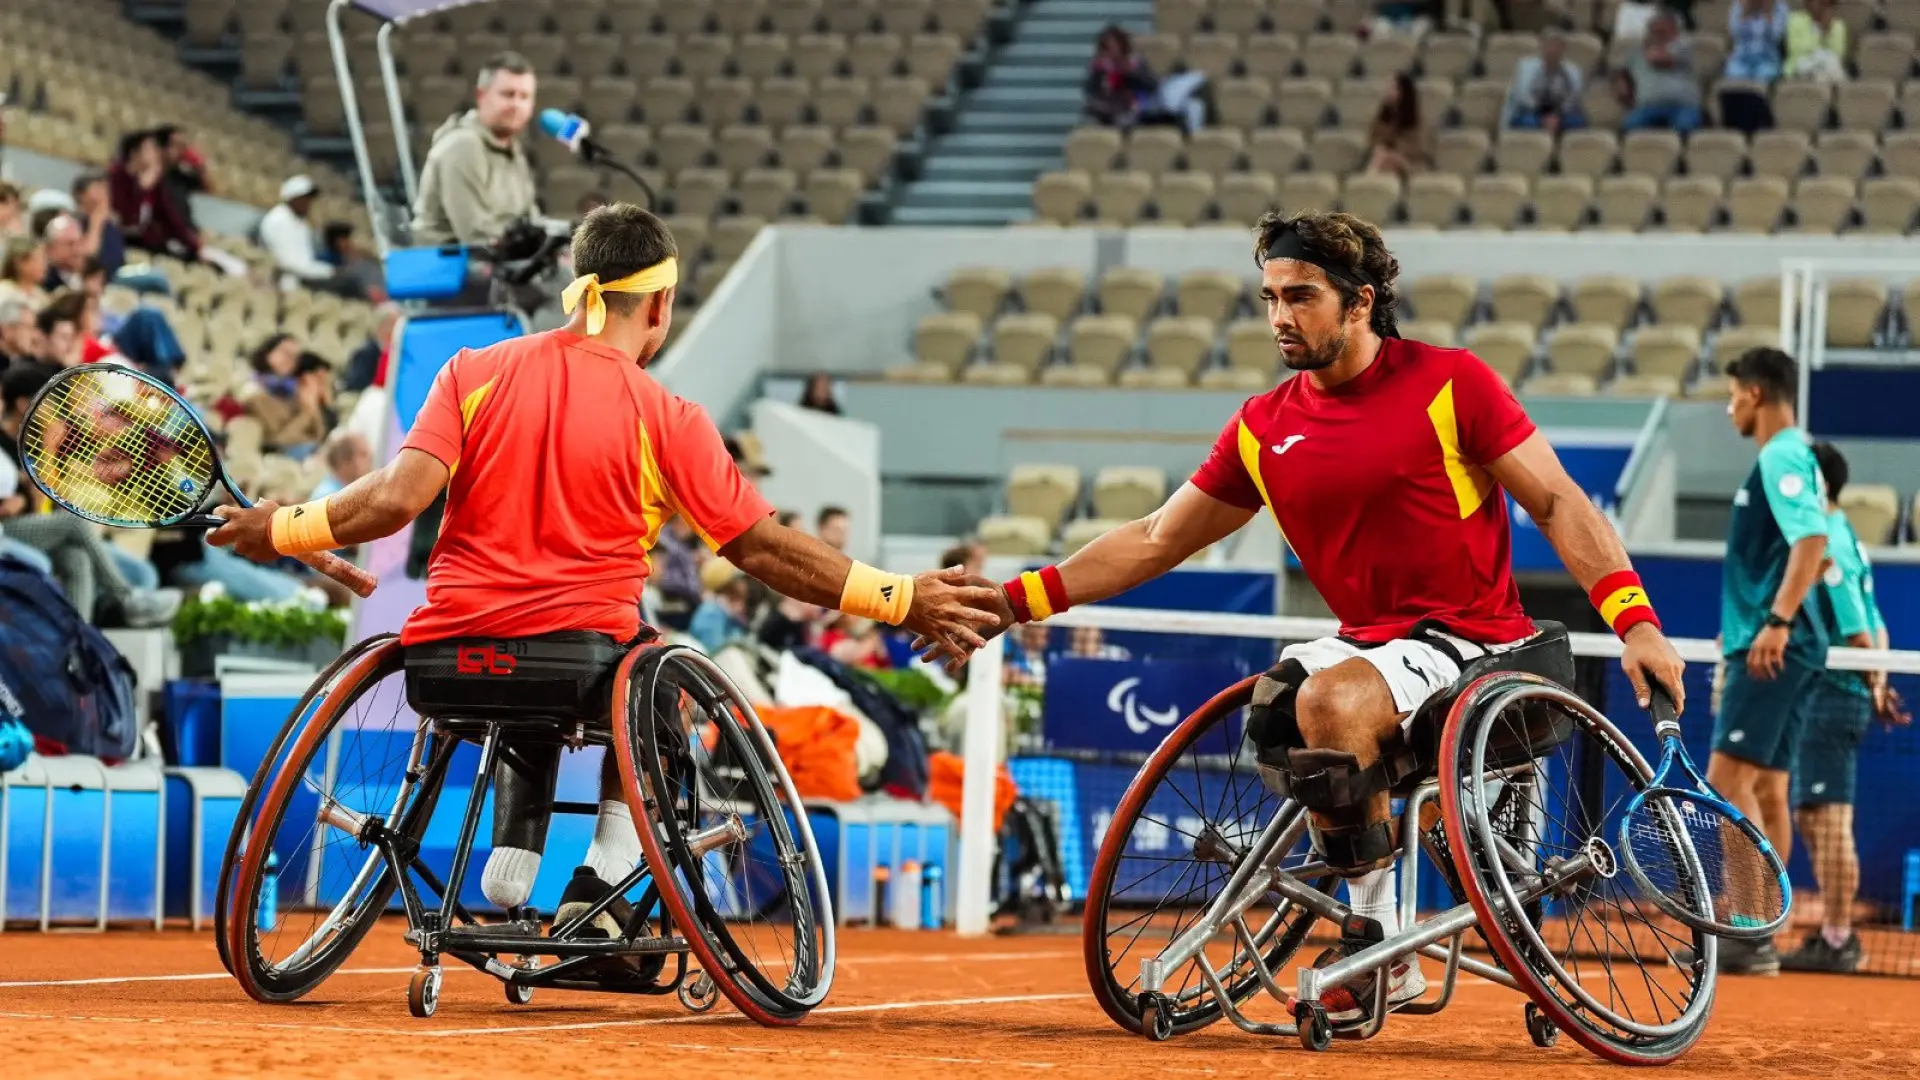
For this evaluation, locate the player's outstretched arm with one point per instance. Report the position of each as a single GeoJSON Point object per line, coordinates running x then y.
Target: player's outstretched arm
{"type": "Point", "coordinates": [376, 505]}
{"type": "Point", "coordinates": [1591, 550]}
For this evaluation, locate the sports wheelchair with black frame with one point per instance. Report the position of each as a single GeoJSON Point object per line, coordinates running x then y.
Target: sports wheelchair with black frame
{"type": "Point", "coordinates": [1513, 789]}
{"type": "Point", "coordinates": [731, 889]}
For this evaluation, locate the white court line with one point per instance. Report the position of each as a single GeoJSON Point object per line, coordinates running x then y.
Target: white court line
{"type": "Point", "coordinates": [695, 1018]}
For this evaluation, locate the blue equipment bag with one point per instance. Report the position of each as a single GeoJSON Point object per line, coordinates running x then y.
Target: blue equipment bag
{"type": "Point", "coordinates": [58, 675]}
{"type": "Point", "coordinates": [426, 273]}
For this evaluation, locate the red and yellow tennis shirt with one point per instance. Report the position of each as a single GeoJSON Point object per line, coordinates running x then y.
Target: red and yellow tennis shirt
{"type": "Point", "coordinates": [1381, 488]}
{"type": "Point", "coordinates": [566, 460]}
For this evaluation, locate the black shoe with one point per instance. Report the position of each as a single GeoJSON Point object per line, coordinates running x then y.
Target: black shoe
{"type": "Point", "coordinates": [1815, 954]}
{"type": "Point", "coordinates": [582, 892]}
{"type": "Point", "coordinates": [1748, 957]}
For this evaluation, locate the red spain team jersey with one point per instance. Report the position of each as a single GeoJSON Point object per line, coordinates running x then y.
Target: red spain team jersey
{"type": "Point", "coordinates": [1380, 487]}
{"type": "Point", "coordinates": [566, 459]}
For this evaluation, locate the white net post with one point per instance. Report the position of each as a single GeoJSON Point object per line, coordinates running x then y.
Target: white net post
{"type": "Point", "coordinates": [981, 749]}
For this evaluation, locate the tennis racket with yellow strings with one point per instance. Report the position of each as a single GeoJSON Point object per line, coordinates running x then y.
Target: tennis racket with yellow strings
{"type": "Point", "coordinates": [118, 447]}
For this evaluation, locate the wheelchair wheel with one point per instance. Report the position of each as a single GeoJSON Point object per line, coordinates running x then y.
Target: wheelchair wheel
{"type": "Point", "coordinates": [353, 764]}
{"type": "Point", "coordinates": [1533, 783]}
{"type": "Point", "coordinates": [725, 833]}
{"type": "Point", "coordinates": [1184, 825]}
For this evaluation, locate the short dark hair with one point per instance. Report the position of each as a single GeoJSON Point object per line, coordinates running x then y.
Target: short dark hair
{"type": "Point", "coordinates": [789, 518]}
{"type": "Point", "coordinates": [619, 240]}
{"type": "Point", "coordinates": [828, 513]}
{"type": "Point", "coordinates": [335, 231]}
{"type": "Point", "coordinates": [1772, 371]}
{"type": "Point", "coordinates": [956, 556]}
{"type": "Point", "coordinates": [67, 305]}
{"type": "Point", "coordinates": [508, 61]}
{"type": "Point", "coordinates": [1833, 467]}
{"type": "Point", "coordinates": [258, 357]}
{"type": "Point", "coordinates": [21, 381]}
{"type": "Point", "coordinates": [311, 362]}
{"type": "Point", "coordinates": [85, 179]}
{"type": "Point", "coordinates": [1350, 246]}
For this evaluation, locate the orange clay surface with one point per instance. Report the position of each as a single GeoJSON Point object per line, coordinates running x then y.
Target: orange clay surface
{"type": "Point", "coordinates": [904, 1005]}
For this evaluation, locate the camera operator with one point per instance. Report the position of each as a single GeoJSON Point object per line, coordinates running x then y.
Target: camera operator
{"type": "Point", "coordinates": [477, 181]}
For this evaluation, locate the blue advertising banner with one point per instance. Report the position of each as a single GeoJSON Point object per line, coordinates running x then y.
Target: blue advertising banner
{"type": "Point", "coordinates": [1128, 705]}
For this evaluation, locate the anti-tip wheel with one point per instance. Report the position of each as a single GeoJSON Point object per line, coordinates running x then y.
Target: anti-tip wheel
{"type": "Point", "coordinates": [697, 993]}
{"type": "Point", "coordinates": [1156, 1016]}
{"type": "Point", "coordinates": [1316, 1031]}
{"type": "Point", "coordinates": [423, 992]}
{"type": "Point", "coordinates": [1539, 1028]}
{"type": "Point", "coordinates": [518, 993]}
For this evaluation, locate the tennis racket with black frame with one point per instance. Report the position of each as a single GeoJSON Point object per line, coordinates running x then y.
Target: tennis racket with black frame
{"type": "Point", "coordinates": [1694, 854]}
{"type": "Point", "coordinates": [119, 447]}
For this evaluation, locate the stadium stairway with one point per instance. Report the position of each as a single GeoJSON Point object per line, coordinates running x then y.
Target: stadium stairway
{"type": "Point", "coordinates": [1010, 128]}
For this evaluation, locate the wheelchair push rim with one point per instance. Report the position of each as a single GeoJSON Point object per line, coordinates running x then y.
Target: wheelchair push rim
{"type": "Point", "coordinates": [689, 832]}
{"type": "Point", "coordinates": [1277, 928]}
{"type": "Point", "coordinates": [1600, 962]}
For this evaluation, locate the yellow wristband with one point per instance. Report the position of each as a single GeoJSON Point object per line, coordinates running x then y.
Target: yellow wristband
{"type": "Point", "coordinates": [297, 530]}
{"type": "Point", "coordinates": [871, 594]}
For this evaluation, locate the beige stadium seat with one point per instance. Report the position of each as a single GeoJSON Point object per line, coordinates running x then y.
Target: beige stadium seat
{"type": "Point", "coordinates": [1208, 294]}
{"type": "Point", "coordinates": [1432, 331]}
{"type": "Point", "coordinates": [766, 192]}
{"type": "Point", "coordinates": [1846, 154]}
{"type": "Point", "coordinates": [1730, 344]}
{"type": "Point", "coordinates": [1310, 191]}
{"type": "Point", "coordinates": [1651, 153]}
{"type": "Point", "coordinates": [804, 148]}
{"type": "Point", "coordinates": [1059, 291]}
{"type": "Point", "coordinates": [1237, 16]}
{"type": "Point", "coordinates": [1131, 291]}
{"type": "Point", "coordinates": [1854, 307]}
{"type": "Point", "coordinates": [1756, 301]}
{"type": "Point", "coordinates": [1445, 298]}
{"type": "Point", "coordinates": [899, 103]}
{"type": "Point", "coordinates": [1079, 534]}
{"type": "Point", "coordinates": [1507, 347]}
{"type": "Point", "coordinates": [1716, 153]}
{"type": "Point", "coordinates": [1238, 380]}
{"type": "Point", "coordinates": [1386, 55]}
{"type": "Point", "coordinates": [978, 291]}
{"type": "Point", "coordinates": [869, 149]}
{"type": "Point", "coordinates": [1250, 346]}
{"type": "Point", "coordinates": [1865, 103]}
{"type": "Point", "coordinates": [834, 194]}
{"type": "Point", "coordinates": [1823, 204]}
{"type": "Point", "coordinates": [1900, 150]}
{"type": "Point", "coordinates": [739, 147]}
{"type": "Point", "coordinates": [1154, 378]}
{"type": "Point", "coordinates": [1588, 152]}
{"type": "Point", "coordinates": [1120, 197]}
{"type": "Point", "coordinates": [818, 56]}
{"type": "Point", "coordinates": [1215, 151]}
{"type": "Point", "coordinates": [1449, 55]}
{"type": "Point", "coordinates": [1754, 203]}
{"type": "Point", "coordinates": [946, 339]}
{"type": "Point", "coordinates": [1480, 103]}
{"type": "Point", "coordinates": [1104, 342]}
{"type": "Point", "coordinates": [1328, 56]}
{"type": "Point", "coordinates": [1243, 197]}
{"type": "Point", "coordinates": [933, 57]}
{"type": "Point", "coordinates": [1178, 16]}
{"type": "Point", "coordinates": [1180, 342]}
{"type": "Point", "coordinates": [1092, 149]}
{"type": "Point", "coordinates": [1004, 535]}
{"type": "Point", "coordinates": [1297, 17]}
{"type": "Point", "coordinates": [1303, 103]}
{"type": "Point", "coordinates": [1561, 202]}
{"type": "Point", "coordinates": [1801, 104]}
{"type": "Point", "coordinates": [761, 56]}
{"type": "Point", "coordinates": [1024, 339]}
{"type": "Point", "coordinates": [1691, 203]}
{"type": "Point", "coordinates": [1562, 384]}
{"type": "Point", "coordinates": [1888, 204]}
{"type": "Point", "coordinates": [1461, 151]}
{"type": "Point", "coordinates": [1128, 492]}
{"type": "Point", "coordinates": [1497, 201]}
{"type": "Point", "coordinates": [1270, 56]}
{"type": "Point", "coordinates": [1062, 197]}
{"type": "Point", "coordinates": [787, 17]}
{"type": "Point", "coordinates": [1154, 150]}
{"type": "Point", "coordinates": [1527, 299]}
{"type": "Point", "coordinates": [1160, 51]}
{"type": "Point", "coordinates": [997, 373]}
{"type": "Point", "coordinates": [1275, 150]}
{"type": "Point", "coordinates": [1243, 102]}
{"type": "Point", "coordinates": [702, 56]}
{"type": "Point", "coordinates": [1780, 153]}
{"type": "Point", "coordinates": [732, 234]}
{"type": "Point", "coordinates": [1183, 198]}
{"type": "Point", "coordinates": [1084, 376]}
{"type": "Point", "coordinates": [1645, 386]}
{"type": "Point", "coordinates": [1373, 197]}
{"type": "Point", "coordinates": [1688, 300]}
{"type": "Point", "coordinates": [1213, 54]}
{"type": "Point", "coordinates": [1504, 51]}
{"type": "Point", "coordinates": [1872, 510]}
{"type": "Point", "coordinates": [682, 146]}
{"type": "Point", "coordinates": [1337, 150]}
{"type": "Point", "coordinates": [1605, 299]}
{"type": "Point", "coordinates": [1523, 153]}
{"type": "Point", "coordinates": [873, 56]}
{"type": "Point", "coordinates": [667, 99]}
{"type": "Point", "coordinates": [1626, 201]}
{"type": "Point", "coordinates": [1666, 350]}
{"type": "Point", "coordinates": [1357, 101]}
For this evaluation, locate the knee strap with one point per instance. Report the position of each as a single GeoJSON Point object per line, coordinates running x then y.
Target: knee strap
{"type": "Point", "coordinates": [1332, 781]}
{"type": "Point", "coordinates": [1270, 717]}
{"type": "Point", "coordinates": [1356, 849]}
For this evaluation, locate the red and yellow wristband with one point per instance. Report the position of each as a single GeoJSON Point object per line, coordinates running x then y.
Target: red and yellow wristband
{"type": "Point", "coordinates": [1037, 595]}
{"type": "Point", "coordinates": [1622, 601]}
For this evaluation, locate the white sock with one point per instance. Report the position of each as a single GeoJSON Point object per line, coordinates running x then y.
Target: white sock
{"type": "Point", "coordinates": [615, 850]}
{"type": "Point", "coordinates": [1373, 896]}
{"type": "Point", "coordinates": [508, 879]}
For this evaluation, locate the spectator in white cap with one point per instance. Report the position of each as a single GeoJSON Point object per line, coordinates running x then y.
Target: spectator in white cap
{"type": "Point", "coordinates": [288, 237]}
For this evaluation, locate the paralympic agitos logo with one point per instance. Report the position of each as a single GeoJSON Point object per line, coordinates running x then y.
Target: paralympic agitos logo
{"type": "Point", "coordinates": [1140, 719]}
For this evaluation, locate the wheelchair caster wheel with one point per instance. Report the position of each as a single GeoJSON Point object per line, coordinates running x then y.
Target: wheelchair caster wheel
{"type": "Point", "coordinates": [1316, 1031]}
{"type": "Point", "coordinates": [1541, 1030]}
{"type": "Point", "coordinates": [1156, 1016]}
{"type": "Point", "coordinates": [423, 992]}
{"type": "Point", "coordinates": [697, 992]}
{"type": "Point", "coordinates": [519, 993]}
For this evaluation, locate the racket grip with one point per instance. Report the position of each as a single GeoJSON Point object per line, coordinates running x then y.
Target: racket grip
{"type": "Point", "coordinates": [342, 571]}
{"type": "Point", "coordinates": [1666, 720]}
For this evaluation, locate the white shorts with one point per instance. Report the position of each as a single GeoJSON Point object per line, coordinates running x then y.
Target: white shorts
{"type": "Point", "coordinates": [1414, 670]}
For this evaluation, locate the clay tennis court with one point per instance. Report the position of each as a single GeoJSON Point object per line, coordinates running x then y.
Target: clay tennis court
{"type": "Point", "coordinates": [904, 1005]}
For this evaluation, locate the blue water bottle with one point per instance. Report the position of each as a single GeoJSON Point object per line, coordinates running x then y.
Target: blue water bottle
{"type": "Point", "coordinates": [269, 914]}
{"type": "Point", "coordinates": [933, 898]}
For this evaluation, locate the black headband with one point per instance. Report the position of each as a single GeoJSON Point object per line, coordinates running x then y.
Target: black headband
{"type": "Point", "coordinates": [1289, 244]}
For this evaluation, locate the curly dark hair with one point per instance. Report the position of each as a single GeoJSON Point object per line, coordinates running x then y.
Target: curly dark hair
{"type": "Point", "coordinates": [1350, 246]}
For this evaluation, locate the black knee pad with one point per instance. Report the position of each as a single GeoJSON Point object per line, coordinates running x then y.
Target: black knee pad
{"type": "Point", "coordinates": [1332, 785]}
{"type": "Point", "coordinates": [523, 781]}
{"type": "Point", "coordinates": [1270, 718]}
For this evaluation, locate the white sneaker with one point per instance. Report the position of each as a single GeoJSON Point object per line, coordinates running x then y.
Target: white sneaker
{"type": "Point", "coordinates": [1352, 1002]}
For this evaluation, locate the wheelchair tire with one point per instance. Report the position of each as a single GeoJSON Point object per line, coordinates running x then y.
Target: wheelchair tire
{"type": "Point", "coordinates": [1161, 1016]}
{"type": "Point", "coordinates": [1499, 858]}
{"type": "Point", "coordinates": [305, 742]}
{"type": "Point", "coordinates": [676, 786]}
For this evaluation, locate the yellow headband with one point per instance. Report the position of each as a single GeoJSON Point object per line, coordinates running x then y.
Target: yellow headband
{"type": "Point", "coordinates": [663, 275]}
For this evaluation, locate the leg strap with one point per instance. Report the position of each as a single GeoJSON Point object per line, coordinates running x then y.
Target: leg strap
{"type": "Point", "coordinates": [1352, 851]}
{"type": "Point", "coordinates": [1270, 718]}
{"type": "Point", "coordinates": [1332, 784]}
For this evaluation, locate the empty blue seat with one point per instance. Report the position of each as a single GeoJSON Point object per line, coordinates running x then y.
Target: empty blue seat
{"type": "Point", "coordinates": [202, 804]}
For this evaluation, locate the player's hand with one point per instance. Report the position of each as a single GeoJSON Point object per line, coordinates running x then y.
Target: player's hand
{"type": "Point", "coordinates": [954, 654]}
{"type": "Point", "coordinates": [1887, 704]}
{"type": "Point", "coordinates": [1768, 653]}
{"type": "Point", "coordinates": [248, 532]}
{"type": "Point", "coordinates": [950, 608]}
{"type": "Point", "coordinates": [1649, 658]}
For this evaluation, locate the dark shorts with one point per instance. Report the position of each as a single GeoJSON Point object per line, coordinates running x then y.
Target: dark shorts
{"type": "Point", "coordinates": [1760, 720]}
{"type": "Point", "coordinates": [1830, 747]}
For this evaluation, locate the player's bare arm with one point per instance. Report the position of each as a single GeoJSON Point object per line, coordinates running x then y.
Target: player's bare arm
{"type": "Point", "coordinates": [1768, 652]}
{"type": "Point", "coordinates": [378, 504]}
{"type": "Point", "coordinates": [1587, 543]}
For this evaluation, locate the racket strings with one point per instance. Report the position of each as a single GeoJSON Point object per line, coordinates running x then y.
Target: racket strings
{"type": "Point", "coordinates": [1704, 861]}
{"type": "Point", "coordinates": [108, 446]}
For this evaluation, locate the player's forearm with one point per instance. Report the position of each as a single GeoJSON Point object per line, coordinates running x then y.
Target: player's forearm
{"type": "Point", "coordinates": [791, 563]}
{"type": "Point", "coordinates": [1803, 569]}
{"type": "Point", "coordinates": [1114, 562]}
{"type": "Point", "coordinates": [366, 510]}
{"type": "Point", "coordinates": [1582, 536]}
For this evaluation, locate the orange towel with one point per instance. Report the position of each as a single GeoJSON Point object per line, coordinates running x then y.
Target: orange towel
{"type": "Point", "coordinates": [816, 744]}
{"type": "Point", "coordinates": [944, 786]}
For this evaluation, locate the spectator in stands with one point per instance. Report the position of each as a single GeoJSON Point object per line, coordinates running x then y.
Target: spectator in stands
{"type": "Point", "coordinates": [354, 262]}
{"type": "Point", "coordinates": [675, 581]}
{"type": "Point", "coordinates": [477, 180]}
{"type": "Point", "coordinates": [1026, 658]}
{"type": "Point", "coordinates": [12, 212]}
{"type": "Point", "coordinates": [1400, 140]}
{"type": "Point", "coordinates": [831, 527]}
{"type": "Point", "coordinates": [1118, 81]}
{"type": "Point", "coordinates": [1545, 92]}
{"type": "Point", "coordinates": [349, 456]}
{"type": "Point", "coordinates": [1666, 93]}
{"type": "Point", "coordinates": [1090, 642]}
{"type": "Point", "coordinates": [747, 457]}
{"type": "Point", "coordinates": [93, 205]}
{"type": "Point", "coordinates": [1817, 43]}
{"type": "Point", "coordinates": [366, 364]}
{"type": "Point", "coordinates": [19, 334]}
{"type": "Point", "coordinates": [289, 395]}
{"type": "Point", "coordinates": [145, 340]}
{"type": "Point", "coordinates": [186, 174]}
{"type": "Point", "coordinates": [24, 271]}
{"type": "Point", "coordinates": [818, 395]}
{"type": "Point", "coordinates": [65, 240]}
{"type": "Point", "coordinates": [287, 236]}
{"type": "Point", "coordinates": [146, 206]}
{"type": "Point", "coordinates": [722, 615]}
{"type": "Point", "coordinates": [1758, 29]}
{"type": "Point", "coordinates": [13, 503]}
{"type": "Point", "coordinates": [69, 325]}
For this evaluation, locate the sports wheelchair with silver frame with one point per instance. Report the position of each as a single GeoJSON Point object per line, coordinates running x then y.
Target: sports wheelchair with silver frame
{"type": "Point", "coordinates": [731, 888]}
{"type": "Point", "coordinates": [1517, 787]}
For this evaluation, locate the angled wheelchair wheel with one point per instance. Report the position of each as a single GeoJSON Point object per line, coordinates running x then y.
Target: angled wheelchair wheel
{"type": "Point", "coordinates": [1533, 783]}
{"type": "Point", "coordinates": [1195, 813]}
{"type": "Point", "coordinates": [353, 771]}
{"type": "Point", "coordinates": [725, 833]}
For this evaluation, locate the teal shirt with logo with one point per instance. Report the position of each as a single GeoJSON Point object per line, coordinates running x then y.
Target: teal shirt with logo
{"type": "Point", "coordinates": [1846, 592]}
{"type": "Point", "coordinates": [1783, 501]}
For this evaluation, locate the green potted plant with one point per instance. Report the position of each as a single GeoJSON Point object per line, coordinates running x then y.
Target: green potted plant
{"type": "Point", "coordinates": [212, 624]}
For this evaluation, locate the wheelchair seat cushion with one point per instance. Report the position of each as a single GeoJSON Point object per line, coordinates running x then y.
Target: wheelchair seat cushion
{"type": "Point", "coordinates": [565, 676]}
{"type": "Point", "coordinates": [1548, 654]}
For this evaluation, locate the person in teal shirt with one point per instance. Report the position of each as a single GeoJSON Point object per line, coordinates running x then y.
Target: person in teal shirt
{"type": "Point", "coordinates": [1844, 703]}
{"type": "Point", "coordinates": [1775, 649]}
